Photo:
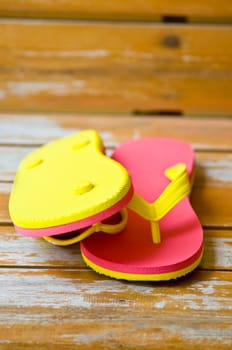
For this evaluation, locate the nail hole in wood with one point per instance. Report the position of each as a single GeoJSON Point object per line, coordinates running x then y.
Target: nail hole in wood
{"type": "Point", "coordinates": [171, 41]}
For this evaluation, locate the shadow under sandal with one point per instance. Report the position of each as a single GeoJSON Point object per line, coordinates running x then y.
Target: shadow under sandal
{"type": "Point", "coordinates": [163, 238]}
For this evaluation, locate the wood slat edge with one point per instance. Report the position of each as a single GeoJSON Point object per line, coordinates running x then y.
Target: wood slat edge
{"type": "Point", "coordinates": [211, 194]}
{"type": "Point", "coordinates": [148, 10]}
{"type": "Point", "coordinates": [77, 307]}
{"type": "Point", "coordinates": [36, 129]}
{"type": "Point", "coordinates": [115, 67]}
{"type": "Point", "coordinates": [18, 251]}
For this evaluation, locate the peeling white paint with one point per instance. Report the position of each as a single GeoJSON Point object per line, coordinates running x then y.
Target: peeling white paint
{"type": "Point", "coordinates": [5, 188]}
{"type": "Point", "coordinates": [160, 304]}
{"type": "Point", "coordinates": [55, 292]}
{"type": "Point", "coordinates": [218, 251]}
{"type": "Point", "coordinates": [35, 87]}
{"type": "Point", "coordinates": [85, 338]}
{"type": "Point", "coordinates": [72, 289]}
{"type": "Point", "coordinates": [191, 298]}
{"type": "Point", "coordinates": [10, 159]}
{"type": "Point", "coordinates": [141, 289]}
{"type": "Point", "coordinates": [38, 128]}
{"type": "Point", "coordinates": [219, 170]}
{"type": "Point", "coordinates": [208, 146]}
{"type": "Point", "coordinates": [208, 300]}
{"type": "Point", "coordinates": [201, 332]}
{"type": "Point", "coordinates": [27, 129]}
{"type": "Point", "coordinates": [203, 286]}
{"type": "Point", "coordinates": [106, 135]}
{"type": "Point", "coordinates": [59, 88]}
{"type": "Point", "coordinates": [191, 58]}
{"type": "Point", "coordinates": [98, 53]}
{"type": "Point", "coordinates": [136, 134]}
{"type": "Point", "coordinates": [222, 175]}
{"type": "Point", "coordinates": [17, 250]}
{"type": "Point", "coordinates": [144, 55]}
{"type": "Point", "coordinates": [2, 94]}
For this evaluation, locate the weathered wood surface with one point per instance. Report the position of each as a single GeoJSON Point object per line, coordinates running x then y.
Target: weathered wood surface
{"type": "Point", "coordinates": [211, 195]}
{"type": "Point", "coordinates": [19, 251]}
{"type": "Point", "coordinates": [36, 129]}
{"type": "Point", "coordinates": [105, 66]}
{"type": "Point", "coordinates": [148, 10]}
{"type": "Point", "coordinates": [50, 300]}
{"type": "Point", "coordinates": [97, 313]}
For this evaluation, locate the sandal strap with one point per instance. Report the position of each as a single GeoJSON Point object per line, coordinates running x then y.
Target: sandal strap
{"type": "Point", "coordinates": [178, 188]}
{"type": "Point", "coordinates": [99, 226]}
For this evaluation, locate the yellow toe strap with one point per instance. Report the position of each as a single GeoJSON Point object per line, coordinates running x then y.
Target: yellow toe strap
{"type": "Point", "coordinates": [178, 188]}
{"type": "Point", "coordinates": [107, 228]}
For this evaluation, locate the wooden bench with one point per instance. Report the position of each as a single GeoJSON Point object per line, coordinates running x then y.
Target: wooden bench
{"type": "Point", "coordinates": [128, 69]}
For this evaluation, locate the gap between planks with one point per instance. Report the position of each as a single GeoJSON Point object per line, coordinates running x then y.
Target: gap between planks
{"type": "Point", "coordinates": [34, 130]}
{"type": "Point", "coordinates": [209, 10]}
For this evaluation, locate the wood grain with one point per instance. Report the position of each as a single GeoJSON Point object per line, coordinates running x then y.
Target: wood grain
{"type": "Point", "coordinates": [148, 10]}
{"type": "Point", "coordinates": [89, 311]}
{"type": "Point", "coordinates": [36, 129]}
{"type": "Point", "coordinates": [211, 194]}
{"type": "Point", "coordinates": [82, 66]}
{"type": "Point", "coordinates": [19, 251]}
{"type": "Point", "coordinates": [122, 61]}
{"type": "Point", "coordinates": [212, 205]}
{"type": "Point", "coordinates": [50, 300]}
{"type": "Point", "coordinates": [213, 168]}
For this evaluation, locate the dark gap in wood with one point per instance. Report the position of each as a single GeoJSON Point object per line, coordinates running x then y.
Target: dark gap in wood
{"type": "Point", "coordinates": [217, 227]}
{"type": "Point", "coordinates": [87, 269]}
{"type": "Point", "coordinates": [205, 227]}
{"type": "Point", "coordinates": [211, 269]}
{"type": "Point", "coordinates": [5, 181]}
{"type": "Point", "coordinates": [213, 150]}
{"type": "Point", "coordinates": [152, 112]}
{"type": "Point", "coordinates": [47, 267]}
{"type": "Point", "coordinates": [174, 19]}
{"type": "Point", "coordinates": [18, 144]}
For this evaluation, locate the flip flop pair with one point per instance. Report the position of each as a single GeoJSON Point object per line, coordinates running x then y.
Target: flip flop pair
{"type": "Point", "coordinates": [131, 212]}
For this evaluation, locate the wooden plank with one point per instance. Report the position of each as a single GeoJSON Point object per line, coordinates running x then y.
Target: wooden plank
{"type": "Point", "coordinates": [10, 158]}
{"type": "Point", "coordinates": [148, 10]}
{"type": "Point", "coordinates": [211, 194]}
{"type": "Point", "coordinates": [19, 251]}
{"type": "Point", "coordinates": [62, 308]}
{"type": "Point", "coordinates": [213, 168]}
{"type": "Point", "coordinates": [217, 254]}
{"type": "Point", "coordinates": [80, 66]}
{"type": "Point", "coordinates": [22, 129]}
{"type": "Point", "coordinates": [212, 204]}
{"type": "Point", "coordinates": [4, 199]}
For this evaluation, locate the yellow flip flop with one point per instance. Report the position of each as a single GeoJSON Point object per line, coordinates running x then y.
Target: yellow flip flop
{"type": "Point", "coordinates": [67, 185]}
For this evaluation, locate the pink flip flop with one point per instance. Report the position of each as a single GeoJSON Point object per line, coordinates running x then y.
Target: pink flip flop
{"type": "Point", "coordinates": [163, 238]}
